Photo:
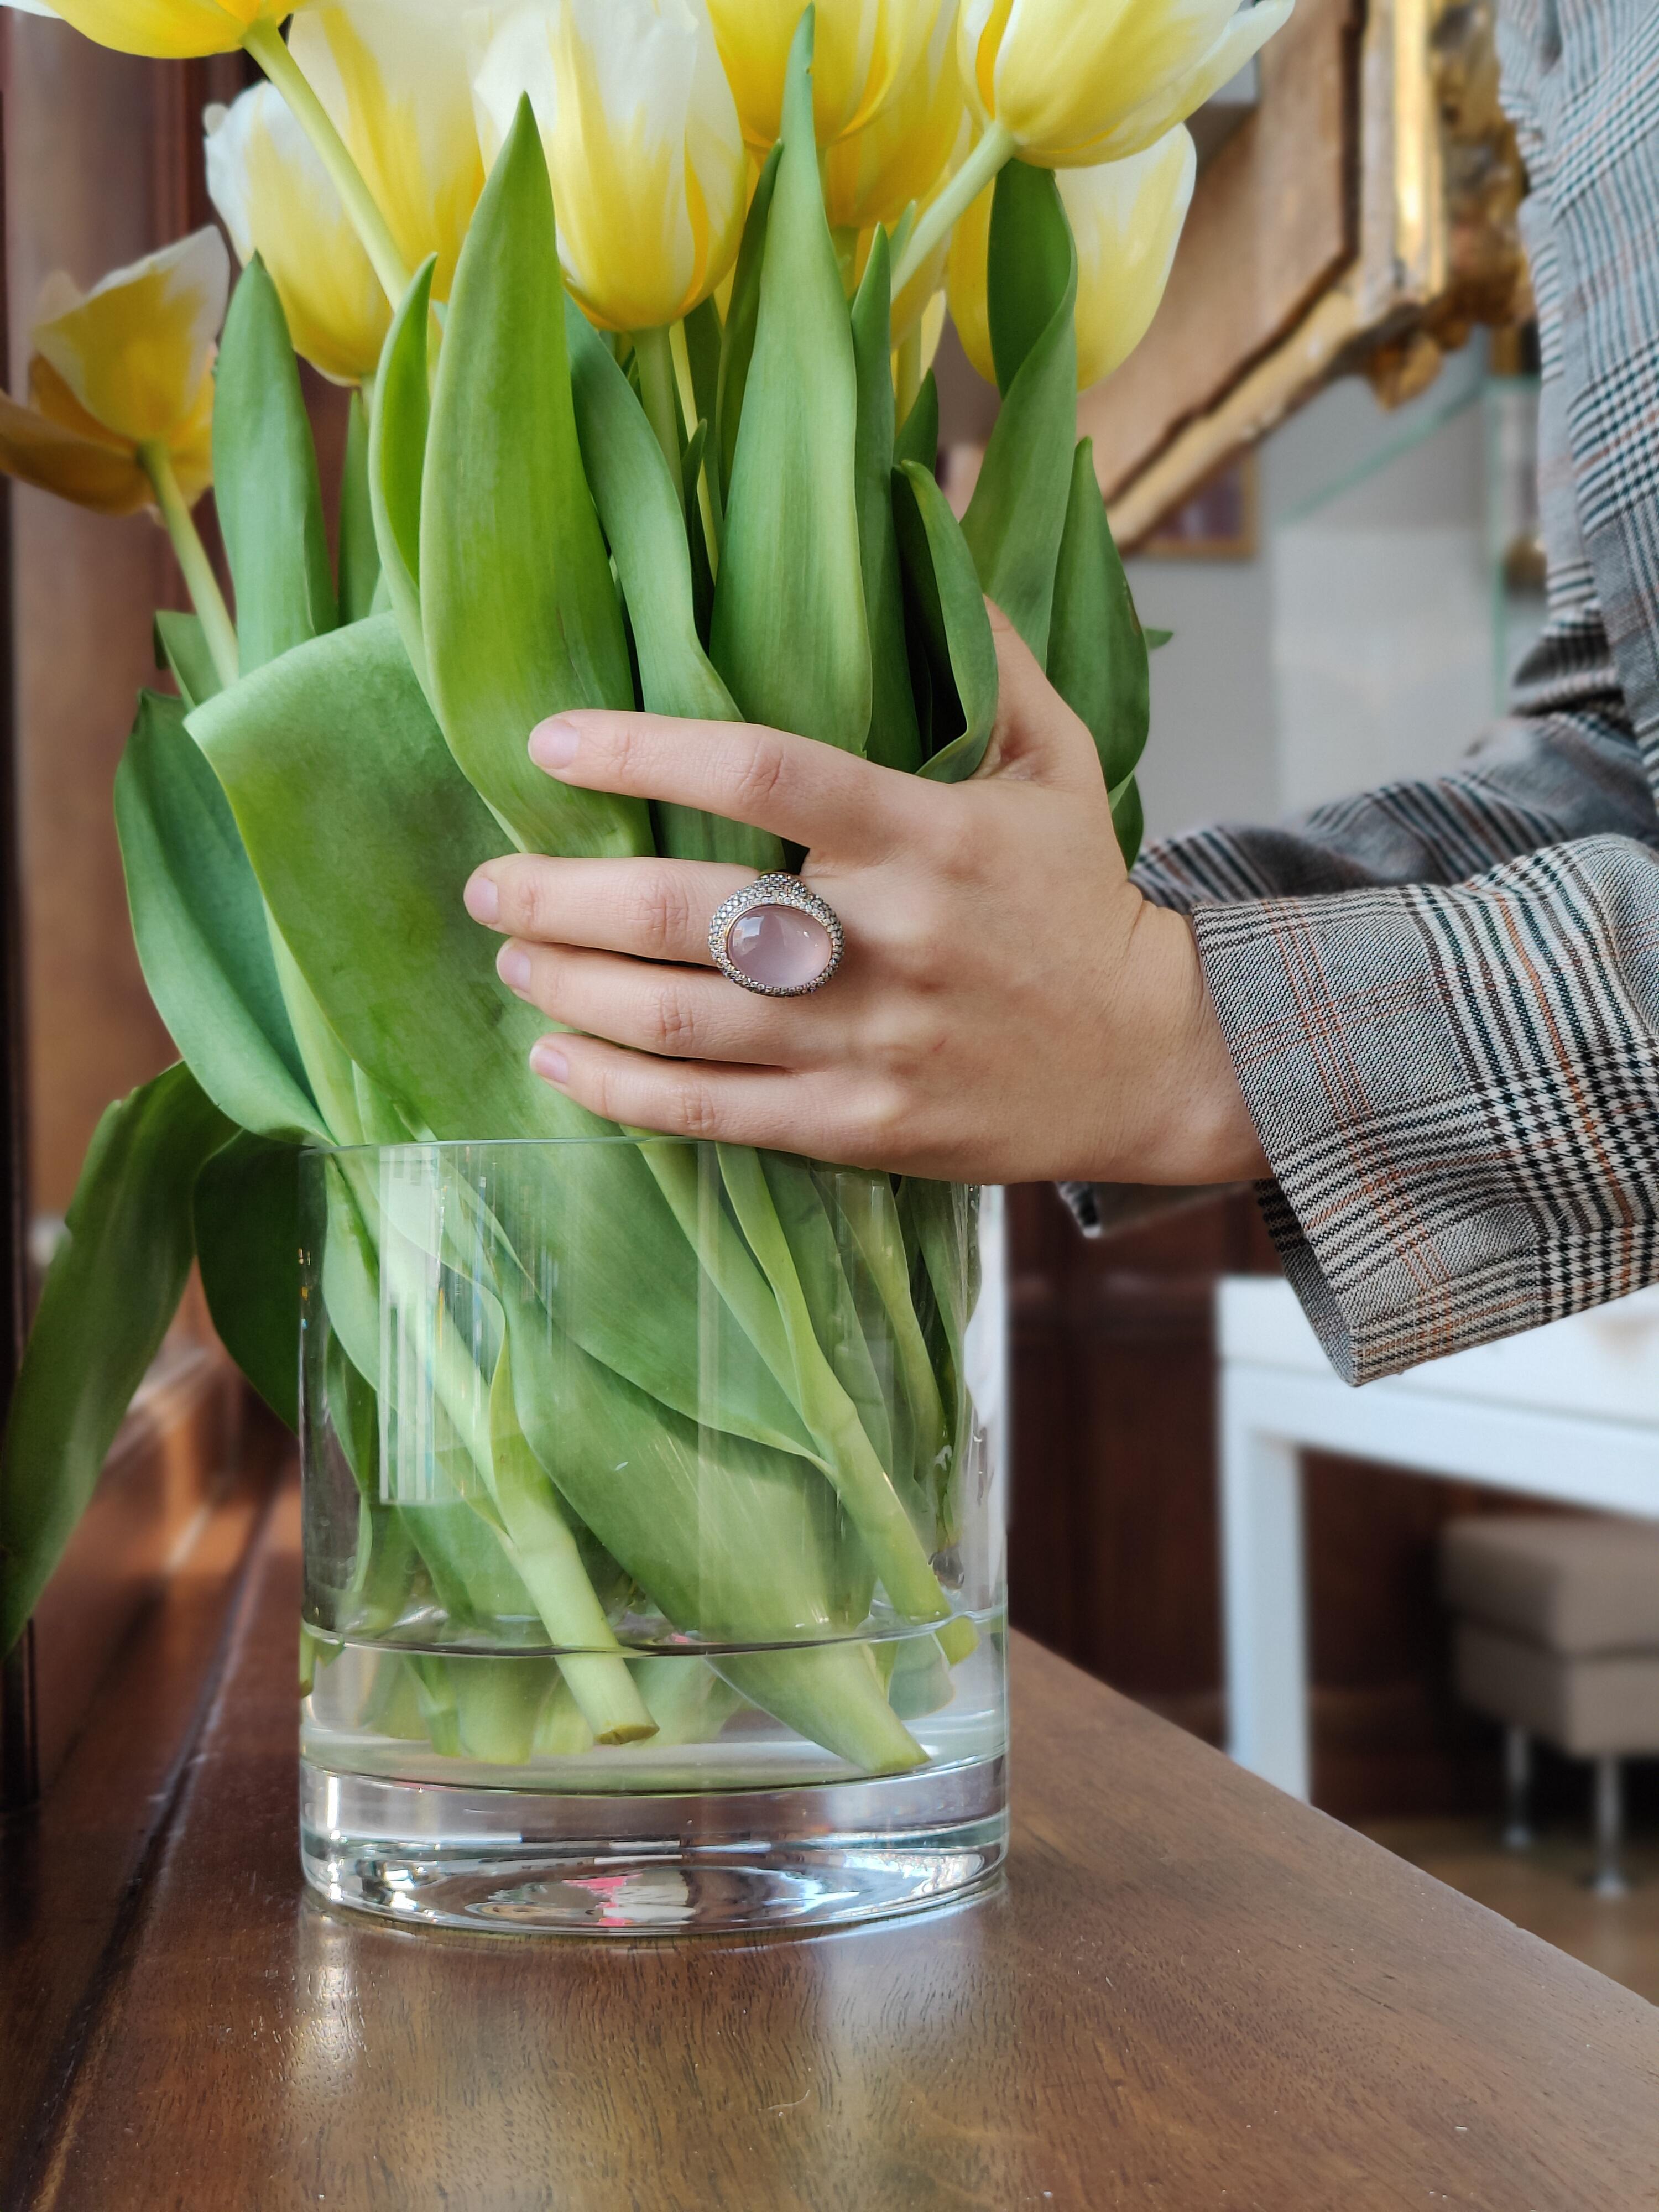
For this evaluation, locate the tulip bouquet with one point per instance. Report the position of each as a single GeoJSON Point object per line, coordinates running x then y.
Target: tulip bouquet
{"type": "Point", "coordinates": [636, 299]}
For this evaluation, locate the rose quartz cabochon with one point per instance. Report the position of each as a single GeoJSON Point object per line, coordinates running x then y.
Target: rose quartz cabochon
{"type": "Point", "coordinates": [779, 946]}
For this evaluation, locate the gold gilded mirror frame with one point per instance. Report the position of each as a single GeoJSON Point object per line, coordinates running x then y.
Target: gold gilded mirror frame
{"type": "Point", "coordinates": [1362, 220]}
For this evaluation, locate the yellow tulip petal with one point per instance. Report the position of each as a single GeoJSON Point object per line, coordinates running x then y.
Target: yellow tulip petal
{"type": "Point", "coordinates": [1077, 85]}
{"type": "Point", "coordinates": [969, 247]}
{"type": "Point", "coordinates": [1126, 217]}
{"type": "Point", "coordinates": [192, 447]}
{"type": "Point", "coordinates": [871, 175]}
{"type": "Point", "coordinates": [865, 50]}
{"type": "Point", "coordinates": [395, 77]}
{"type": "Point", "coordinates": [277, 201]}
{"type": "Point", "coordinates": [171, 30]}
{"type": "Point", "coordinates": [650, 176]}
{"type": "Point", "coordinates": [134, 350]}
{"type": "Point", "coordinates": [1248, 31]}
{"type": "Point", "coordinates": [89, 471]}
{"type": "Point", "coordinates": [932, 330]}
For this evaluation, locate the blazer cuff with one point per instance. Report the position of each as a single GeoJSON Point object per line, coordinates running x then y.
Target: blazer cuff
{"type": "Point", "coordinates": [1448, 1113]}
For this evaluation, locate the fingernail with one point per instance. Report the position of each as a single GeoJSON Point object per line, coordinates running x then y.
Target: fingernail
{"type": "Point", "coordinates": [513, 966]}
{"type": "Point", "coordinates": [481, 899]}
{"type": "Point", "coordinates": [549, 1062]}
{"type": "Point", "coordinates": [553, 745]}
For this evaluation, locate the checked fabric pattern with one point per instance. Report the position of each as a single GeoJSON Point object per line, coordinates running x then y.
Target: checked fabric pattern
{"type": "Point", "coordinates": [1443, 999]}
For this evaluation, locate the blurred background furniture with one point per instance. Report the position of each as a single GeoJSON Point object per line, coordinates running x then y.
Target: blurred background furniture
{"type": "Point", "coordinates": [1568, 1413]}
{"type": "Point", "coordinates": [1557, 1638]}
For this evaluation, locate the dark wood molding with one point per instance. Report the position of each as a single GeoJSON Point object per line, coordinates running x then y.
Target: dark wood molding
{"type": "Point", "coordinates": [19, 1770]}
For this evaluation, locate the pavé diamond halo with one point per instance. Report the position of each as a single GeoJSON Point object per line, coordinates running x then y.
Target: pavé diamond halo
{"type": "Point", "coordinates": [777, 938]}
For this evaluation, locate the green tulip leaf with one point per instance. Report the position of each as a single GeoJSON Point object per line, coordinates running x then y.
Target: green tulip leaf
{"type": "Point", "coordinates": [789, 635]}
{"type": "Point", "coordinates": [1030, 266]}
{"type": "Point", "coordinates": [741, 314]}
{"type": "Point", "coordinates": [360, 556]}
{"type": "Point", "coordinates": [182, 647]}
{"type": "Point", "coordinates": [247, 1215]}
{"type": "Point", "coordinates": [645, 523]}
{"type": "Point", "coordinates": [112, 1288]}
{"type": "Point", "coordinates": [895, 740]}
{"type": "Point", "coordinates": [1097, 650]}
{"type": "Point", "coordinates": [1128, 820]}
{"type": "Point", "coordinates": [948, 610]}
{"type": "Point", "coordinates": [918, 435]}
{"type": "Point", "coordinates": [1017, 515]}
{"type": "Point", "coordinates": [396, 461]}
{"type": "Point", "coordinates": [518, 606]}
{"type": "Point", "coordinates": [362, 852]}
{"type": "Point", "coordinates": [264, 480]}
{"type": "Point", "coordinates": [202, 934]}
{"type": "Point", "coordinates": [733, 1541]}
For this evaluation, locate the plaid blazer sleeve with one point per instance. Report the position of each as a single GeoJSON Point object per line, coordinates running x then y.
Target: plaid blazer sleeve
{"type": "Point", "coordinates": [1443, 999]}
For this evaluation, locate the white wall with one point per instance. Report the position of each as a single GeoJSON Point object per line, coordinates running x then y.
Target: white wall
{"type": "Point", "coordinates": [1356, 645]}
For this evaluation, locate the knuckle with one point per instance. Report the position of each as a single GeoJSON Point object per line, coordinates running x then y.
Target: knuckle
{"type": "Point", "coordinates": [601, 1093]}
{"type": "Point", "coordinates": [919, 936]}
{"type": "Point", "coordinates": [757, 773]}
{"type": "Point", "coordinates": [673, 1020]}
{"type": "Point", "coordinates": [886, 1112]}
{"type": "Point", "coordinates": [662, 916]}
{"type": "Point", "coordinates": [619, 748]}
{"type": "Point", "coordinates": [528, 902]}
{"type": "Point", "coordinates": [955, 843]}
{"type": "Point", "coordinates": [695, 1111]}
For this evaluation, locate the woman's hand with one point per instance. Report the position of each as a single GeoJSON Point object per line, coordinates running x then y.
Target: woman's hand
{"type": "Point", "coordinates": [1010, 1007]}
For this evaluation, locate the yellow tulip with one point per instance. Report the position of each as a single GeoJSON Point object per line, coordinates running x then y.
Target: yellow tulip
{"type": "Point", "coordinates": [277, 201]}
{"type": "Point", "coordinates": [650, 175]}
{"type": "Point", "coordinates": [871, 175]}
{"type": "Point", "coordinates": [1069, 84]}
{"type": "Point", "coordinates": [1074, 85]}
{"type": "Point", "coordinates": [119, 387]}
{"type": "Point", "coordinates": [121, 412]}
{"type": "Point", "coordinates": [394, 78]}
{"type": "Point", "coordinates": [863, 50]}
{"type": "Point", "coordinates": [171, 30]}
{"type": "Point", "coordinates": [1126, 217]}
{"type": "Point", "coordinates": [414, 34]}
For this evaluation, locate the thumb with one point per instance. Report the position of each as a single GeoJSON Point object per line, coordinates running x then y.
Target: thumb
{"type": "Point", "coordinates": [1036, 735]}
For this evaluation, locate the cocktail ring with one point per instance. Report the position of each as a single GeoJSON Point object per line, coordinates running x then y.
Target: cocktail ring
{"type": "Point", "coordinates": [777, 938]}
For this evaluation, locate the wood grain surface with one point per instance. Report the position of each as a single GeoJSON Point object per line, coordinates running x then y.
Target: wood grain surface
{"type": "Point", "coordinates": [1189, 1991]}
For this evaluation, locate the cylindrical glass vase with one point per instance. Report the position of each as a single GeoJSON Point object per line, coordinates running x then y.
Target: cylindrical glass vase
{"type": "Point", "coordinates": [653, 1537]}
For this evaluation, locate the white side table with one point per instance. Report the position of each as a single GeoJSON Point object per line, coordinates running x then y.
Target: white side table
{"type": "Point", "coordinates": [1569, 1412]}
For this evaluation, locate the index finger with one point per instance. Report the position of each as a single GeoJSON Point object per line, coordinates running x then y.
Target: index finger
{"type": "Point", "coordinates": [807, 793]}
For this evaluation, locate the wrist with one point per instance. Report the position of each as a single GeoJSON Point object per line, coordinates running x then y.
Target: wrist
{"type": "Point", "coordinates": [1182, 1112]}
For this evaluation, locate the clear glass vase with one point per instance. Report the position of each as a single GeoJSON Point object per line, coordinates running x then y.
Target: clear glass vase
{"type": "Point", "coordinates": [653, 1537]}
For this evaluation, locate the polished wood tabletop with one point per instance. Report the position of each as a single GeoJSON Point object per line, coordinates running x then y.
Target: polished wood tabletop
{"type": "Point", "coordinates": [1188, 1991]}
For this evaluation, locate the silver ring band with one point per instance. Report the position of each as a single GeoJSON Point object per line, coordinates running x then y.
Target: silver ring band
{"type": "Point", "coordinates": [786, 954]}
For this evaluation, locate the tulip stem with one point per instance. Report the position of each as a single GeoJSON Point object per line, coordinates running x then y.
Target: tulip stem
{"type": "Point", "coordinates": [205, 595]}
{"type": "Point", "coordinates": [907, 373]}
{"type": "Point", "coordinates": [993, 153]}
{"type": "Point", "coordinates": [264, 42]}
{"type": "Point", "coordinates": [708, 489]}
{"type": "Point", "coordinates": [655, 356]}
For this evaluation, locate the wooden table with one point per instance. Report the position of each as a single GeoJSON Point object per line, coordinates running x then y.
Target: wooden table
{"type": "Point", "coordinates": [1191, 1991]}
